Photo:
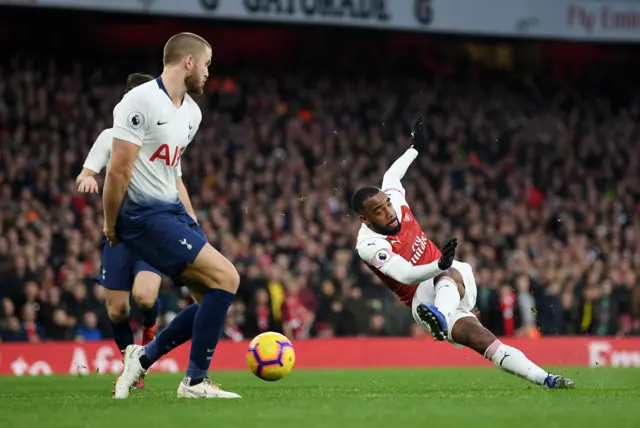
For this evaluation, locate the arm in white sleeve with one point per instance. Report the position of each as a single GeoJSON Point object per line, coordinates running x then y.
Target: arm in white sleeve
{"type": "Point", "coordinates": [392, 178]}
{"type": "Point", "coordinates": [99, 154]}
{"type": "Point", "coordinates": [378, 253]}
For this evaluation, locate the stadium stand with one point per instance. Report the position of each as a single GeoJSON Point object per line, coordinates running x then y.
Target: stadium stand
{"type": "Point", "coordinates": [537, 176]}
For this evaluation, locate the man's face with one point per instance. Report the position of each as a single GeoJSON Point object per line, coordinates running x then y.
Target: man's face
{"type": "Point", "coordinates": [198, 73]}
{"type": "Point", "coordinates": [380, 216]}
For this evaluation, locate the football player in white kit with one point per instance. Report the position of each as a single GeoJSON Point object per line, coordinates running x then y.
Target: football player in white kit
{"type": "Point", "coordinates": [121, 272]}
{"type": "Point", "coordinates": [440, 290]}
{"type": "Point", "coordinates": [147, 208]}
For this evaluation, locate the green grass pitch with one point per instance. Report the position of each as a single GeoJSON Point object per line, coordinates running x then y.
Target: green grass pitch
{"type": "Point", "coordinates": [473, 398]}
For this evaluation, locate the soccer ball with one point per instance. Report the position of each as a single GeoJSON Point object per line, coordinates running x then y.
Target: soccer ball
{"type": "Point", "coordinates": [270, 356]}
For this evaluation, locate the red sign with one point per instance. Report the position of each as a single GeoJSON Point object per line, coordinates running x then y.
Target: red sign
{"type": "Point", "coordinates": [102, 357]}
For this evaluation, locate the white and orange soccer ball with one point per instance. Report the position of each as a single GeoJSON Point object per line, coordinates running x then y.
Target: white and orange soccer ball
{"type": "Point", "coordinates": [271, 356]}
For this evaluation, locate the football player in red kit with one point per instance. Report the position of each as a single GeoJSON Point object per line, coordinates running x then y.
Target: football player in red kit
{"type": "Point", "coordinates": [440, 290]}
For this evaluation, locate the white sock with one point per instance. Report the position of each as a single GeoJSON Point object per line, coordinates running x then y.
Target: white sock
{"type": "Point", "coordinates": [447, 297]}
{"type": "Point", "coordinates": [513, 361]}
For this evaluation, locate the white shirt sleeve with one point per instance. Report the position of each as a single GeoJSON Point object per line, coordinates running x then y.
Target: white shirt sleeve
{"type": "Point", "coordinates": [377, 252]}
{"type": "Point", "coordinates": [391, 182]}
{"type": "Point", "coordinates": [133, 117]}
{"type": "Point", "coordinates": [98, 156]}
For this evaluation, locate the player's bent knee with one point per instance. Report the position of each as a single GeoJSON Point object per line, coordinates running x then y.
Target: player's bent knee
{"type": "Point", "coordinates": [144, 298]}
{"type": "Point", "coordinates": [117, 306]}
{"type": "Point", "coordinates": [145, 289]}
{"type": "Point", "coordinates": [455, 276]}
{"type": "Point", "coordinates": [212, 270]}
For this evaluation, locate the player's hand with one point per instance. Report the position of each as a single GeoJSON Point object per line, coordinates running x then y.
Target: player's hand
{"type": "Point", "coordinates": [419, 134]}
{"type": "Point", "coordinates": [448, 254]}
{"type": "Point", "coordinates": [88, 185]}
{"type": "Point", "coordinates": [110, 233]}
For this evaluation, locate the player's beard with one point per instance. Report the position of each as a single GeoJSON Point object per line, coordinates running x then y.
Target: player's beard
{"type": "Point", "coordinates": [193, 86]}
{"type": "Point", "coordinates": [387, 230]}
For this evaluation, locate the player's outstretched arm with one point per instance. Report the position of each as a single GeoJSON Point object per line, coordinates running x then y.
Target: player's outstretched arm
{"type": "Point", "coordinates": [392, 178]}
{"type": "Point", "coordinates": [377, 252]}
{"type": "Point", "coordinates": [183, 194]}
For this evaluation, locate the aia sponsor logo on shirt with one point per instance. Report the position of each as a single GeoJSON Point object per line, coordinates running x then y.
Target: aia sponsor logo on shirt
{"type": "Point", "coordinates": [163, 153]}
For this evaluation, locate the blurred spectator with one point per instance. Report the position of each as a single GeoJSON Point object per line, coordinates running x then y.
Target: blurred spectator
{"type": "Point", "coordinates": [30, 324]}
{"type": "Point", "coordinates": [259, 316]}
{"type": "Point", "coordinates": [12, 331]}
{"type": "Point", "coordinates": [88, 330]}
{"type": "Point", "coordinates": [297, 319]}
{"type": "Point", "coordinates": [61, 327]}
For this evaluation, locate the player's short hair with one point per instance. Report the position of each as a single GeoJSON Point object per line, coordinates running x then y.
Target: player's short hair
{"type": "Point", "coordinates": [360, 197]}
{"type": "Point", "coordinates": [181, 45]}
{"type": "Point", "coordinates": [136, 79]}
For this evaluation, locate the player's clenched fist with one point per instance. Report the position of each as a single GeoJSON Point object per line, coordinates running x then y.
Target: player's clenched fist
{"type": "Point", "coordinates": [88, 185]}
{"type": "Point", "coordinates": [110, 233]}
{"type": "Point", "coordinates": [419, 134]}
{"type": "Point", "coordinates": [448, 254]}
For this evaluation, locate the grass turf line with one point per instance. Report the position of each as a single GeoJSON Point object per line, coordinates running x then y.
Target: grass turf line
{"type": "Point", "coordinates": [356, 398]}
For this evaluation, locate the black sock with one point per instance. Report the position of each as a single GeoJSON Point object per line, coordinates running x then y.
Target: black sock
{"type": "Point", "coordinates": [122, 333]}
{"type": "Point", "coordinates": [195, 381]}
{"type": "Point", "coordinates": [145, 362]}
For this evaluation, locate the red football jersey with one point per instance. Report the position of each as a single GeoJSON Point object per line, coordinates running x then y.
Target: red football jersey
{"type": "Point", "coordinates": [411, 243]}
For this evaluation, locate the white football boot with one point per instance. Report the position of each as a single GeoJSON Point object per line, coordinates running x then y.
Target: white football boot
{"type": "Point", "coordinates": [131, 372]}
{"type": "Point", "coordinates": [205, 389]}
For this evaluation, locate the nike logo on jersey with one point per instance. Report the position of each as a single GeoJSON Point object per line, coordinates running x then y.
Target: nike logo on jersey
{"type": "Point", "coordinates": [162, 123]}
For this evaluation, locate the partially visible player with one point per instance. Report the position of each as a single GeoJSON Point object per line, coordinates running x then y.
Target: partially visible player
{"type": "Point", "coordinates": [122, 273]}
{"type": "Point", "coordinates": [147, 208]}
{"type": "Point", "coordinates": [440, 291]}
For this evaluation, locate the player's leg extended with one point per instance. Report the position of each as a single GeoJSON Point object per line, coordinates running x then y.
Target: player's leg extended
{"type": "Point", "coordinates": [215, 279]}
{"type": "Point", "coordinates": [178, 242]}
{"type": "Point", "coordinates": [432, 309]}
{"type": "Point", "coordinates": [469, 332]}
{"type": "Point", "coordinates": [179, 330]}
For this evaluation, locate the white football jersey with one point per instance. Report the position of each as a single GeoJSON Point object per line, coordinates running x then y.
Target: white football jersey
{"type": "Point", "coordinates": [100, 152]}
{"type": "Point", "coordinates": [147, 117]}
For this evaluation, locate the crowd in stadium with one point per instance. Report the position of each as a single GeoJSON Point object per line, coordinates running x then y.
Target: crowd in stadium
{"type": "Point", "coordinates": [539, 184]}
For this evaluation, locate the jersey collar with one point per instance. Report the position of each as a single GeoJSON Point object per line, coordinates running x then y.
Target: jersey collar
{"type": "Point", "coordinates": [164, 89]}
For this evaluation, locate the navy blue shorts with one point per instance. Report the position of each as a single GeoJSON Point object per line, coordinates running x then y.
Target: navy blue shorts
{"type": "Point", "coordinates": [120, 267]}
{"type": "Point", "coordinates": [163, 235]}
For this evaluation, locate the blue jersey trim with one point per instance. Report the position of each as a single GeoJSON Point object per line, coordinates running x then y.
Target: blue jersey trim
{"type": "Point", "coordinates": [164, 88]}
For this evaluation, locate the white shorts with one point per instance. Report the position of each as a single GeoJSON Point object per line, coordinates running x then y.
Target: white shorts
{"type": "Point", "coordinates": [426, 293]}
